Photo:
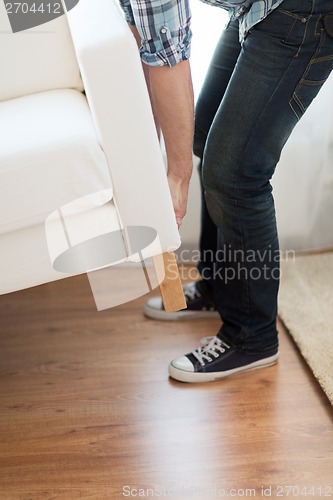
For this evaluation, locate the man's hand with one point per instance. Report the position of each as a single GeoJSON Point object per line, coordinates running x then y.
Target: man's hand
{"type": "Point", "coordinates": [179, 192]}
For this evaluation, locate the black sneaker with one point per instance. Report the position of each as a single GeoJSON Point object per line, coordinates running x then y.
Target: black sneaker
{"type": "Point", "coordinates": [197, 306]}
{"type": "Point", "coordinates": [216, 360]}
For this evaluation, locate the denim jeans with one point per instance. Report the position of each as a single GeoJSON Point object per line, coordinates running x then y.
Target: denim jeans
{"type": "Point", "coordinates": [252, 98]}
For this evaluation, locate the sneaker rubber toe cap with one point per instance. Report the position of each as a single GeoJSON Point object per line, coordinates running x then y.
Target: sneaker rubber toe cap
{"type": "Point", "coordinates": [183, 363]}
{"type": "Point", "coordinates": [154, 303]}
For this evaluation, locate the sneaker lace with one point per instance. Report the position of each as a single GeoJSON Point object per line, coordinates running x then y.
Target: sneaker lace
{"type": "Point", "coordinates": [212, 348]}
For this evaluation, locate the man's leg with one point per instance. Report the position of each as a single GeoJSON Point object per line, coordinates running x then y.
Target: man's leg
{"type": "Point", "coordinates": [217, 79]}
{"type": "Point", "coordinates": [199, 296]}
{"type": "Point", "coordinates": [281, 67]}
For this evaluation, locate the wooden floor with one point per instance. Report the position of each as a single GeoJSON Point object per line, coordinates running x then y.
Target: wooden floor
{"type": "Point", "coordinates": [87, 410]}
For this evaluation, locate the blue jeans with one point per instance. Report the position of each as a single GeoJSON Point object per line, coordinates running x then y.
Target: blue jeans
{"type": "Point", "coordinates": [252, 98]}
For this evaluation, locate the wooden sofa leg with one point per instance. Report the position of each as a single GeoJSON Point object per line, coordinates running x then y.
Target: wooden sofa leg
{"type": "Point", "coordinates": [171, 286]}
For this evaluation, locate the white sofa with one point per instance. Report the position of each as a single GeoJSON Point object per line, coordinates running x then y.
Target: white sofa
{"type": "Point", "coordinates": [75, 167]}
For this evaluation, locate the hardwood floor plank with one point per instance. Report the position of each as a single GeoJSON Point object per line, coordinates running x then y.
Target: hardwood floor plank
{"type": "Point", "coordinates": [86, 408]}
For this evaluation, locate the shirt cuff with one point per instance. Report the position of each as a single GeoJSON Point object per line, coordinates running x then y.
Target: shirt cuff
{"type": "Point", "coordinates": [128, 11]}
{"type": "Point", "coordinates": [168, 49]}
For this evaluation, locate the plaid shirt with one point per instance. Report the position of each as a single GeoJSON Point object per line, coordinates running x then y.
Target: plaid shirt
{"type": "Point", "coordinates": [164, 25]}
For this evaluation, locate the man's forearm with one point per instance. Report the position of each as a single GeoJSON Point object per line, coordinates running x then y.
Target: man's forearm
{"type": "Point", "coordinates": [172, 95]}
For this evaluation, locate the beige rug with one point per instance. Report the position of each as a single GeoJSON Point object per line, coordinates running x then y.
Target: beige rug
{"type": "Point", "coordinates": [306, 309]}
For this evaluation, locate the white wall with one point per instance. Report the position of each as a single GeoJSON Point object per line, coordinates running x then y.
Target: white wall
{"type": "Point", "coordinates": [303, 183]}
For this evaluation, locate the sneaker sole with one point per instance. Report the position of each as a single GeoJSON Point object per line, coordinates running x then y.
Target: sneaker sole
{"type": "Point", "coordinates": [161, 315]}
{"type": "Point", "coordinates": [194, 377]}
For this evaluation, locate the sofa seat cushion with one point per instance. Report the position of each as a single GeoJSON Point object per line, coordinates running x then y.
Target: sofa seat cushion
{"type": "Point", "coordinates": [49, 156]}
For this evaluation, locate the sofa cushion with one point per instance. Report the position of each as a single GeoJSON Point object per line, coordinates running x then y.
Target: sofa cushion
{"type": "Point", "coordinates": [49, 156]}
{"type": "Point", "coordinates": [37, 59]}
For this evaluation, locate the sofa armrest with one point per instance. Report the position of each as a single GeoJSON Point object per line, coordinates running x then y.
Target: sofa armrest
{"type": "Point", "coordinates": [116, 91]}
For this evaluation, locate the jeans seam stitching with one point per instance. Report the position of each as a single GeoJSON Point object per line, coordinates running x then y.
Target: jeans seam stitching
{"type": "Point", "coordinates": [290, 14]}
{"type": "Point", "coordinates": [293, 109]}
{"type": "Point", "coordinates": [303, 39]}
{"type": "Point", "coordinates": [306, 71]}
